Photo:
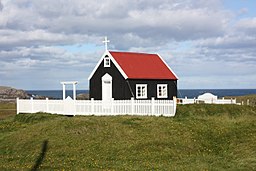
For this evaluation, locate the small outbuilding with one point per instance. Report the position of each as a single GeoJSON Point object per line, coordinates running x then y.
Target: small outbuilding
{"type": "Point", "coordinates": [207, 98]}
{"type": "Point", "coordinates": [122, 75]}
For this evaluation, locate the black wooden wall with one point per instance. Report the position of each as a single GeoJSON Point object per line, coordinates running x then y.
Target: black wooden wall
{"type": "Point", "coordinates": [152, 87]}
{"type": "Point", "coordinates": [120, 89]}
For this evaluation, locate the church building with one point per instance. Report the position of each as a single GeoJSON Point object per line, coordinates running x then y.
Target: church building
{"type": "Point", "coordinates": [123, 75]}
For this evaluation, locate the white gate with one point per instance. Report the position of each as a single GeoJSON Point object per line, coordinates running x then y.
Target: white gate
{"type": "Point", "coordinates": [69, 106]}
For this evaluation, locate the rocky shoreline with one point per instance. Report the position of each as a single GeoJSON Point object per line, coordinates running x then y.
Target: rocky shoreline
{"type": "Point", "coordinates": [9, 94]}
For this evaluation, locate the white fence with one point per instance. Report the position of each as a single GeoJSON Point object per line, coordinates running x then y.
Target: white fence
{"type": "Point", "coordinates": [207, 101]}
{"type": "Point", "coordinates": [98, 107]}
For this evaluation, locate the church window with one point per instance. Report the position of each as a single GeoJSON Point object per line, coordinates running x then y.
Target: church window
{"type": "Point", "coordinates": [162, 91]}
{"type": "Point", "coordinates": [106, 61]}
{"type": "Point", "coordinates": [141, 91]}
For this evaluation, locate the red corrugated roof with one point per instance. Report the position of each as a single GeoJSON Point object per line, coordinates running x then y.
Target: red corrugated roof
{"type": "Point", "coordinates": [143, 66]}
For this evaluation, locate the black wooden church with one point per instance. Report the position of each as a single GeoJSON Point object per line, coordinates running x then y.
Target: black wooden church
{"type": "Point", "coordinates": [122, 75]}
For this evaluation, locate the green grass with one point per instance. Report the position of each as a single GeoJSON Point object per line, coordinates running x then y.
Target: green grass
{"type": "Point", "coordinates": [199, 137]}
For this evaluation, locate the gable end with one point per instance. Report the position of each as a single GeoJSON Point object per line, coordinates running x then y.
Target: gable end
{"type": "Point", "coordinates": [106, 53]}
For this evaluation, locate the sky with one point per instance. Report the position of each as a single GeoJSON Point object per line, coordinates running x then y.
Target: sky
{"type": "Point", "coordinates": [208, 44]}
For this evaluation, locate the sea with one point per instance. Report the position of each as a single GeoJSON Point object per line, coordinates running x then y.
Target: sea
{"type": "Point", "coordinates": [190, 93]}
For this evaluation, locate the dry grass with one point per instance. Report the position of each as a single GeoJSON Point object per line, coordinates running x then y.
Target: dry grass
{"type": "Point", "coordinates": [7, 109]}
{"type": "Point", "coordinates": [244, 99]}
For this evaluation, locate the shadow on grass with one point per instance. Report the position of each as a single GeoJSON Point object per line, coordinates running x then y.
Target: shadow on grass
{"type": "Point", "coordinates": [41, 156]}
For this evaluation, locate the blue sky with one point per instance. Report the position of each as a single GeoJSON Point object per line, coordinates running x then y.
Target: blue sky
{"type": "Point", "coordinates": [208, 44]}
{"type": "Point", "coordinates": [245, 7]}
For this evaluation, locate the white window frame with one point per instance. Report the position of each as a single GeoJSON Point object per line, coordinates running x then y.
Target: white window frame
{"type": "Point", "coordinates": [141, 91]}
{"type": "Point", "coordinates": [160, 91]}
{"type": "Point", "coordinates": [107, 61]}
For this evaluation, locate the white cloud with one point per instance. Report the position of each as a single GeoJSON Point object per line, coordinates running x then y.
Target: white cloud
{"type": "Point", "coordinates": [247, 26]}
{"type": "Point", "coordinates": [199, 39]}
{"type": "Point", "coordinates": [16, 38]}
{"type": "Point", "coordinates": [161, 20]}
{"type": "Point", "coordinates": [1, 6]}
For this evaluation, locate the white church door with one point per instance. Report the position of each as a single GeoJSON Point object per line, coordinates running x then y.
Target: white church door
{"type": "Point", "coordinates": [106, 87]}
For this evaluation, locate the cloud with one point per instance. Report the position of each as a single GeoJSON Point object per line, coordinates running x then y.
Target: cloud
{"type": "Point", "coordinates": [17, 38]}
{"type": "Point", "coordinates": [197, 38]}
{"type": "Point", "coordinates": [44, 56]}
{"type": "Point", "coordinates": [161, 20]}
{"type": "Point", "coordinates": [1, 6]}
{"type": "Point", "coordinates": [47, 65]}
{"type": "Point", "coordinates": [129, 24]}
{"type": "Point", "coordinates": [247, 26]}
{"type": "Point", "coordinates": [230, 42]}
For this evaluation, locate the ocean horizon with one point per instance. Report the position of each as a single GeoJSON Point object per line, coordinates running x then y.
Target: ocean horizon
{"type": "Point", "coordinates": [190, 93]}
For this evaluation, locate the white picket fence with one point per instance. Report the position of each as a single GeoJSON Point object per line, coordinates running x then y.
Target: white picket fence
{"type": "Point", "coordinates": [206, 101]}
{"type": "Point", "coordinates": [98, 107]}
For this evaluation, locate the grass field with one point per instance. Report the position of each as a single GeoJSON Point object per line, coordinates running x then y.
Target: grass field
{"type": "Point", "coordinates": [199, 137]}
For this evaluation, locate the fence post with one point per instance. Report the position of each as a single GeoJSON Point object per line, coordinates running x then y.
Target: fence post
{"type": "Point", "coordinates": [248, 102]}
{"type": "Point", "coordinates": [92, 105]}
{"type": "Point", "coordinates": [152, 105]}
{"type": "Point", "coordinates": [74, 106]}
{"type": "Point", "coordinates": [174, 105]}
{"type": "Point", "coordinates": [47, 105]}
{"type": "Point", "coordinates": [32, 104]}
{"type": "Point", "coordinates": [112, 106]}
{"type": "Point", "coordinates": [132, 105]}
{"type": "Point", "coordinates": [17, 105]}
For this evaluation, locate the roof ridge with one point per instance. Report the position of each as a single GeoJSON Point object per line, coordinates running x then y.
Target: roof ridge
{"type": "Point", "coordinates": [134, 52]}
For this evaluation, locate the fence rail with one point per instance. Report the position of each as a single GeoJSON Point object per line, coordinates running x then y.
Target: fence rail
{"type": "Point", "coordinates": [98, 107]}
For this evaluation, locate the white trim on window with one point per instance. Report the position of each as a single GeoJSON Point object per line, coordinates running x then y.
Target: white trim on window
{"type": "Point", "coordinates": [162, 91]}
{"type": "Point", "coordinates": [141, 91]}
{"type": "Point", "coordinates": [106, 61]}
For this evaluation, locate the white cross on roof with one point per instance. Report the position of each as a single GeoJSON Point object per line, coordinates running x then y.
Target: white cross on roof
{"type": "Point", "coordinates": [106, 41]}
